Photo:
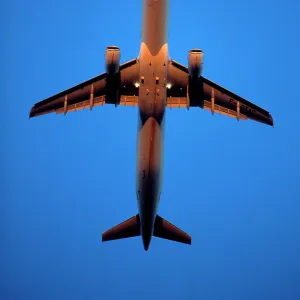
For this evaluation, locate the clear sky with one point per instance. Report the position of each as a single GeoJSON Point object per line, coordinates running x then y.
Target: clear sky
{"type": "Point", "coordinates": [234, 186]}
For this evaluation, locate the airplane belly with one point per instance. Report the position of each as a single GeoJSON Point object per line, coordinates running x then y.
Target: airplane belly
{"type": "Point", "coordinates": [153, 80]}
{"type": "Point", "coordinates": [149, 169]}
{"type": "Point", "coordinates": [153, 63]}
{"type": "Point", "coordinates": [155, 24]}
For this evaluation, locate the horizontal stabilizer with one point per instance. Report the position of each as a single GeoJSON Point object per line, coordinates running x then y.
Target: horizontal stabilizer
{"type": "Point", "coordinates": [166, 230]}
{"type": "Point", "coordinates": [127, 229]}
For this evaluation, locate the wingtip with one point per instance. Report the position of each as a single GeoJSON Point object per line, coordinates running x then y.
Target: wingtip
{"type": "Point", "coordinates": [272, 123]}
{"type": "Point", "coordinates": [31, 113]}
{"type": "Point", "coordinates": [268, 120]}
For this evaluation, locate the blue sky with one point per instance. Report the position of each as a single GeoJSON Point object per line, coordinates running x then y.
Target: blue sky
{"type": "Point", "coordinates": [232, 185]}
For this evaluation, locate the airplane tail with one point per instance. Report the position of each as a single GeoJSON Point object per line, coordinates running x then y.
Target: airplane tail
{"type": "Point", "coordinates": [131, 228]}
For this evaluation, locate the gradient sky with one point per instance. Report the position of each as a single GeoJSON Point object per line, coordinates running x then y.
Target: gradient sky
{"type": "Point", "coordinates": [232, 185]}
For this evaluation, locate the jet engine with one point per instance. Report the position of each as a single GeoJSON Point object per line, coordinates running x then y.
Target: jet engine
{"type": "Point", "coordinates": [112, 60]}
{"type": "Point", "coordinates": [195, 85]}
{"type": "Point", "coordinates": [113, 79]}
{"type": "Point", "coordinates": [195, 61]}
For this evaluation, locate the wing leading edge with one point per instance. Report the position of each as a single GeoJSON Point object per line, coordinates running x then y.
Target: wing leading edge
{"type": "Point", "coordinates": [92, 93]}
{"type": "Point", "coordinates": [215, 97]}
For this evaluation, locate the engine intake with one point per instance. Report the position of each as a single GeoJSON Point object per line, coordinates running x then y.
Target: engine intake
{"type": "Point", "coordinates": [112, 60]}
{"type": "Point", "coordinates": [195, 62]}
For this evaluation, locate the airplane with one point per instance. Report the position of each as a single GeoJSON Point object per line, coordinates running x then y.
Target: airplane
{"type": "Point", "coordinates": [152, 82]}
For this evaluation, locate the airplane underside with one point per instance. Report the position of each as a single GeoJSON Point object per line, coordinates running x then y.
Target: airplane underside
{"type": "Point", "coordinates": [149, 179]}
{"type": "Point", "coordinates": [152, 82]}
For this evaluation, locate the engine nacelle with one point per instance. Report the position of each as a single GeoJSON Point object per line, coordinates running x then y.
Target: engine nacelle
{"type": "Point", "coordinates": [195, 62]}
{"type": "Point", "coordinates": [112, 60]}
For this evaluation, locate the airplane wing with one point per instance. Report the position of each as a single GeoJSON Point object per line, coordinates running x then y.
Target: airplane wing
{"type": "Point", "coordinates": [92, 93]}
{"type": "Point", "coordinates": [216, 98]}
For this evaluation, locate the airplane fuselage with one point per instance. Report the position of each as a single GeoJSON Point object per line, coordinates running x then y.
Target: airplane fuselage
{"type": "Point", "coordinates": [153, 62]}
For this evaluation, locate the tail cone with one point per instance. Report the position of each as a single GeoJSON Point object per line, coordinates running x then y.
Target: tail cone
{"type": "Point", "coordinates": [146, 241]}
